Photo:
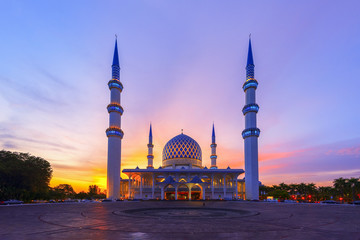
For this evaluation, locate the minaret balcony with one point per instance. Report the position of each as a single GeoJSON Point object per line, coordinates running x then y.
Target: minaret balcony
{"type": "Point", "coordinates": [115, 107]}
{"type": "Point", "coordinates": [251, 132]}
{"type": "Point", "coordinates": [114, 83]}
{"type": "Point", "coordinates": [114, 131]}
{"type": "Point", "coordinates": [150, 145]}
{"type": "Point", "coordinates": [213, 145]}
{"type": "Point", "coordinates": [213, 156]}
{"type": "Point", "coordinates": [150, 156]}
{"type": "Point", "coordinates": [252, 83]}
{"type": "Point", "coordinates": [252, 107]}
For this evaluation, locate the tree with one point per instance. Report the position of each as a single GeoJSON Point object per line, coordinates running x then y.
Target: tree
{"type": "Point", "coordinates": [263, 191]}
{"type": "Point", "coordinates": [301, 189]}
{"type": "Point", "coordinates": [325, 193]}
{"type": "Point", "coordinates": [95, 192]}
{"type": "Point", "coordinates": [354, 184]}
{"type": "Point", "coordinates": [82, 195]}
{"type": "Point", "coordinates": [293, 189]}
{"type": "Point", "coordinates": [278, 193]}
{"type": "Point", "coordinates": [310, 191]}
{"type": "Point", "coordinates": [284, 187]}
{"type": "Point", "coordinates": [63, 191]}
{"type": "Point", "coordinates": [23, 176]}
{"type": "Point", "coordinates": [340, 186]}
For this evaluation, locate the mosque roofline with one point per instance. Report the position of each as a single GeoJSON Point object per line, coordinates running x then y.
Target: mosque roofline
{"type": "Point", "coordinates": [170, 170]}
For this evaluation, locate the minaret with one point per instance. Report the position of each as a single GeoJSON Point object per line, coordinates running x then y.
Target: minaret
{"type": "Point", "coordinates": [150, 155]}
{"type": "Point", "coordinates": [114, 132]}
{"type": "Point", "coordinates": [213, 149]}
{"type": "Point", "coordinates": [251, 132]}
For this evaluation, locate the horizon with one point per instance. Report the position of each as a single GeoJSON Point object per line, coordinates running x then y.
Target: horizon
{"type": "Point", "coordinates": [183, 68]}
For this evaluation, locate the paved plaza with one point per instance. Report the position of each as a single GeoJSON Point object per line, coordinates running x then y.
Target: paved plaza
{"type": "Point", "coordinates": [180, 220]}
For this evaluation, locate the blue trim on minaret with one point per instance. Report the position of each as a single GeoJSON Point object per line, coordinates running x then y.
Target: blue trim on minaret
{"type": "Point", "coordinates": [250, 60]}
{"type": "Point", "coordinates": [116, 55]}
{"type": "Point", "coordinates": [150, 135]}
{"type": "Point", "coordinates": [213, 134]}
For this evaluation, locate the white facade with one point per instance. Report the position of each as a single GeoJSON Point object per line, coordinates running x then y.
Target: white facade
{"type": "Point", "coordinates": [114, 132]}
{"type": "Point", "coordinates": [251, 132]}
{"type": "Point", "coordinates": [183, 184]}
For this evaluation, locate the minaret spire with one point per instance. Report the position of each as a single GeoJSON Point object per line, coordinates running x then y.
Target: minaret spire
{"type": "Point", "coordinates": [213, 145]}
{"type": "Point", "coordinates": [150, 145]}
{"type": "Point", "coordinates": [116, 54]}
{"type": "Point", "coordinates": [114, 132]}
{"type": "Point", "coordinates": [250, 74]}
{"type": "Point", "coordinates": [213, 134]}
{"type": "Point", "coordinates": [150, 134]}
{"type": "Point", "coordinates": [250, 60]}
{"type": "Point", "coordinates": [251, 132]}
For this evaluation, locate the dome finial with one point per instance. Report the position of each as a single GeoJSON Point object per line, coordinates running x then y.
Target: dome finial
{"type": "Point", "coordinates": [182, 131]}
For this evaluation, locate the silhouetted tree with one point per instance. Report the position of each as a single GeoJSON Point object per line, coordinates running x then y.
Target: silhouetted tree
{"type": "Point", "coordinates": [95, 192]}
{"type": "Point", "coordinates": [325, 193]}
{"type": "Point", "coordinates": [62, 191]}
{"type": "Point", "coordinates": [82, 195]}
{"type": "Point", "coordinates": [354, 184]}
{"type": "Point", "coordinates": [278, 193]}
{"type": "Point", "coordinates": [23, 176]}
{"type": "Point", "coordinates": [340, 186]}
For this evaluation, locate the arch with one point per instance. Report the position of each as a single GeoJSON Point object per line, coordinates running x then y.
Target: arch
{"type": "Point", "coordinates": [183, 192]}
{"type": "Point", "coordinates": [182, 180]}
{"type": "Point", "coordinates": [169, 192]}
{"type": "Point", "coordinates": [218, 181]}
{"type": "Point", "coordinates": [196, 192]}
{"type": "Point", "coordinates": [229, 180]}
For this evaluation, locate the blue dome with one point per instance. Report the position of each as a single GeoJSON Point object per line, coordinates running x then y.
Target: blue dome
{"type": "Point", "coordinates": [182, 146]}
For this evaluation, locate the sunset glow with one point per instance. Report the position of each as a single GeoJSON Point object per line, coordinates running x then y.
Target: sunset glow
{"type": "Point", "coordinates": [182, 67]}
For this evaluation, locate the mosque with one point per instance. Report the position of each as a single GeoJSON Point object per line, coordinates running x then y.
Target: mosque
{"type": "Point", "coordinates": [182, 175]}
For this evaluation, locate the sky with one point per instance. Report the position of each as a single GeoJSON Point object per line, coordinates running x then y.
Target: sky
{"type": "Point", "coordinates": [182, 67]}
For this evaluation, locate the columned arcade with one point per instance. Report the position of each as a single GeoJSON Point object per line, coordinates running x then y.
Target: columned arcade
{"type": "Point", "coordinates": [183, 184]}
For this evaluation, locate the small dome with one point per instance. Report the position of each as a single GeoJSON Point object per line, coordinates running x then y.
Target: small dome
{"type": "Point", "coordinates": [184, 150]}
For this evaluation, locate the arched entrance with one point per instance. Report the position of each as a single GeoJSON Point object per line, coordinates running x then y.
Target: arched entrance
{"type": "Point", "coordinates": [169, 192]}
{"type": "Point", "coordinates": [196, 192]}
{"type": "Point", "coordinates": [183, 192]}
